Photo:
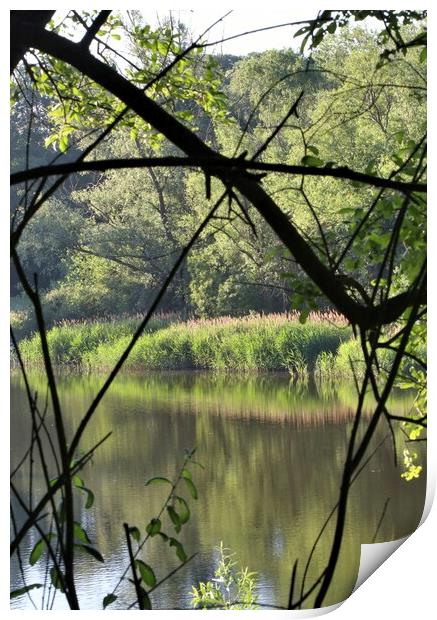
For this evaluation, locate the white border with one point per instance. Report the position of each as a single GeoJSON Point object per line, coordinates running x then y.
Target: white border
{"type": "Point", "coordinates": [403, 587]}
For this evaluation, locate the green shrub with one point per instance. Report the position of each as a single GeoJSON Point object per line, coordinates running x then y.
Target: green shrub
{"type": "Point", "coordinates": [229, 589]}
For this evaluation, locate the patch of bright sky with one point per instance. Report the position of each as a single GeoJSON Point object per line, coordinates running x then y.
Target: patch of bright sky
{"type": "Point", "coordinates": [237, 19]}
{"type": "Point", "coordinates": [249, 15]}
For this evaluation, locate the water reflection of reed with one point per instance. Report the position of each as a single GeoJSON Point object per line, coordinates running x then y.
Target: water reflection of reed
{"type": "Point", "coordinates": [270, 397]}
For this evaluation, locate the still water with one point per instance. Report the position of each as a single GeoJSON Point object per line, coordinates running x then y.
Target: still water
{"type": "Point", "coordinates": [272, 454]}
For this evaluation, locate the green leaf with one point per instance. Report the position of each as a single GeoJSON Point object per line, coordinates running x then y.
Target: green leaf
{"type": "Point", "coordinates": [380, 239]}
{"type": "Point", "coordinates": [399, 135]}
{"type": "Point", "coordinates": [175, 518]}
{"type": "Point", "coordinates": [91, 551]}
{"type": "Point", "coordinates": [197, 462]}
{"type": "Point", "coordinates": [303, 316]}
{"type": "Point", "coordinates": [304, 42]}
{"type": "Point", "coordinates": [309, 160]}
{"type": "Point", "coordinates": [180, 551]}
{"type": "Point", "coordinates": [350, 264]}
{"type": "Point", "coordinates": [422, 56]}
{"type": "Point", "coordinates": [301, 31]}
{"type": "Point", "coordinates": [80, 533]}
{"type": "Point", "coordinates": [184, 511]}
{"type": "Point", "coordinates": [21, 591]}
{"type": "Point", "coordinates": [370, 168]}
{"type": "Point", "coordinates": [313, 149]}
{"type": "Point", "coordinates": [332, 27]}
{"type": "Point", "coordinates": [56, 579]}
{"type": "Point", "coordinates": [298, 299]}
{"type": "Point", "coordinates": [186, 474]}
{"type": "Point", "coordinates": [318, 37]}
{"type": "Point", "coordinates": [191, 487]}
{"type": "Point", "coordinates": [63, 144]}
{"type": "Point", "coordinates": [47, 142]}
{"type": "Point", "coordinates": [163, 47]}
{"type": "Point", "coordinates": [117, 37]}
{"type": "Point", "coordinates": [90, 497]}
{"type": "Point", "coordinates": [37, 552]}
{"type": "Point", "coordinates": [146, 600]}
{"type": "Point", "coordinates": [77, 481]}
{"type": "Point", "coordinates": [153, 527]}
{"type": "Point", "coordinates": [146, 572]}
{"type": "Point", "coordinates": [109, 598]}
{"type": "Point", "coordinates": [360, 15]}
{"type": "Point", "coordinates": [135, 533]}
{"type": "Point", "coordinates": [158, 480]}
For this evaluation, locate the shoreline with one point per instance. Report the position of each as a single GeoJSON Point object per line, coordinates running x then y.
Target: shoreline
{"type": "Point", "coordinates": [252, 344]}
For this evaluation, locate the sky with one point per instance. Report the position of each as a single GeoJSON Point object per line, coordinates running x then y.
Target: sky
{"type": "Point", "coordinates": [273, 23]}
{"type": "Point", "coordinates": [236, 19]}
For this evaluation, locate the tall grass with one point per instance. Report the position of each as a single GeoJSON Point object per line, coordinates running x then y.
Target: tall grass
{"type": "Point", "coordinates": [348, 362]}
{"type": "Point", "coordinates": [252, 343]}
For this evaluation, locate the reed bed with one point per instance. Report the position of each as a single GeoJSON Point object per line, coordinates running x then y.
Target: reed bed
{"type": "Point", "coordinates": [348, 362]}
{"type": "Point", "coordinates": [272, 342]}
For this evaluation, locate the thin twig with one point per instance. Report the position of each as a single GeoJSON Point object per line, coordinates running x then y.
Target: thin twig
{"type": "Point", "coordinates": [137, 582]}
{"type": "Point", "coordinates": [381, 519]}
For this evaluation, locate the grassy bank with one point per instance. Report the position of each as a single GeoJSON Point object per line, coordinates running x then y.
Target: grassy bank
{"type": "Point", "coordinates": [252, 343]}
{"type": "Point", "coordinates": [339, 364]}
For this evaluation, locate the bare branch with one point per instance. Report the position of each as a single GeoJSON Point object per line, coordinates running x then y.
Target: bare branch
{"type": "Point", "coordinates": [218, 164]}
{"type": "Point", "coordinates": [94, 28]}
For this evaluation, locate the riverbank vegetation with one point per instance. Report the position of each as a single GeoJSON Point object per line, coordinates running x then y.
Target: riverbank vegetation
{"type": "Point", "coordinates": [277, 342]}
{"type": "Point", "coordinates": [323, 346]}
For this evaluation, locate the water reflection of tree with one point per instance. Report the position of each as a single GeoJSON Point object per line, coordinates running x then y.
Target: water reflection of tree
{"type": "Point", "coordinates": [277, 470]}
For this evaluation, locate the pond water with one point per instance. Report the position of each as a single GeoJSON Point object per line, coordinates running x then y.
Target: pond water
{"type": "Point", "coordinates": [272, 453]}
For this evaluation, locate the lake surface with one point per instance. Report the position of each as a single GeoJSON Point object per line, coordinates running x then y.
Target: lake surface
{"type": "Point", "coordinates": [273, 454]}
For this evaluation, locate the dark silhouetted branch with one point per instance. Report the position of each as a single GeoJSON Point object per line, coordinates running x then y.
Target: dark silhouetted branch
{"type": "Point", "coordinates": [19, 43]}
{"type": "Point", "coordinates": [94, 28]}
{"type": "Point", "coordinates": [217, 164]}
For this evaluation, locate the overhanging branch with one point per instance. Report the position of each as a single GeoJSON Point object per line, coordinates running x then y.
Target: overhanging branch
{"type": "Point", "coordinates": [19, 42]}
{"type": "Point", "coordinates": [214, 165]}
